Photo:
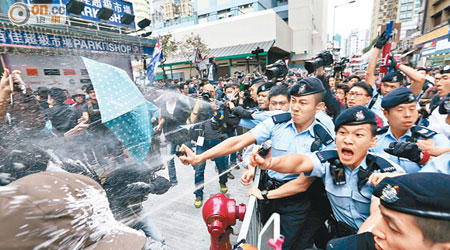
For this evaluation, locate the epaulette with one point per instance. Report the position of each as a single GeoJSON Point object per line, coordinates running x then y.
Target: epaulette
{"type": "Point", "coordinates": [422, 132]}
{"type": "Point", "coordinates": [323, 134]}
{"type": "Point", "coordinates": [382, 164]}
{"type": "Point", "coordinates": [327, 155]}
{"type": "Point", "coordinates": [280, 118]}
{"type": "Point", "coordinates": [382, 130]}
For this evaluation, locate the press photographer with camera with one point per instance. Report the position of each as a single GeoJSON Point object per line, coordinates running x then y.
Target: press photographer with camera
{"type": "Point", "coordinates": [208, 114]}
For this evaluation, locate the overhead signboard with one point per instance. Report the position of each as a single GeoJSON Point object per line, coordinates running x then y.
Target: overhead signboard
{"type": "Point", "coordinates": [93, 6]}
{"type": "Point", "coordinates": [31, 39]}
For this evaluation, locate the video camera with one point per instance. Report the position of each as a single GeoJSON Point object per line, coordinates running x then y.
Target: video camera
{"type": "Point", "coordinates": [324, 58]}
{"type": "Point", "coordinates": [206, 96]}
{"type": "Point", "coordinates": [340, 66]}
{"type": "Point", "coordinates": [239, 74]}
{"type": "Point", "coordinates": [276, 70]}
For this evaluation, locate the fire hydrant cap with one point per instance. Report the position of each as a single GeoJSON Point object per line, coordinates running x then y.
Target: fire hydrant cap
{"type": "Point", "coordinates": [215, 228]}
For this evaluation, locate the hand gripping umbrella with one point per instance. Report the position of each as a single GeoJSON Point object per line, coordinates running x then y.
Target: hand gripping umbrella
{"type": "Point", "coordinates": [122, 107]}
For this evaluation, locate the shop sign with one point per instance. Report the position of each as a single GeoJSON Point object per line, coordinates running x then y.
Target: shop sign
{"type": "Point", "coordinates": [26, 38]}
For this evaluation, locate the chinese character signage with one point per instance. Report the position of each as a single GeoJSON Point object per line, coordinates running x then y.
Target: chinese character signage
{"type": "Point", "coordinates": [16, 37]}
{"type": "Point", "coordinates": [91, 8]}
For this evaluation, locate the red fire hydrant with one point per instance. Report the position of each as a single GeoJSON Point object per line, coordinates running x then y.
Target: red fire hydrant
{"type": "Point", "coordinates": [220, 213]}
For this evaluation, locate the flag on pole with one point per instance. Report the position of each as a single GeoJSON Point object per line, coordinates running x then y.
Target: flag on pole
{"type": "Point", "coordinates": [156, 58]}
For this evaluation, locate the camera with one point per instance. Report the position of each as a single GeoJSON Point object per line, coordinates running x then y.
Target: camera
{"type": "Point", "coordinates": [340, 66]}
{"type": "Point", "coordinates": [276, 70]}
{"type": "Point", "coordinates": [324, 58]}
{"type": "Point", "coordinates": [240, 74]}
{"type": "Point", "coordinates": [206, 96]}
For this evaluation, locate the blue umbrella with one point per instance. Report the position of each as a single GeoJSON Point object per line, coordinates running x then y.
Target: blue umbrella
{"type": "Point", "coordinates": [123, 108]}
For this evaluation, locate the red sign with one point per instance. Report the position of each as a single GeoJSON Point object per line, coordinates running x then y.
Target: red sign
{"type": "Point", "coordinates": [32, 72]}
{"type": "Point", "coordinates": [69, 72]}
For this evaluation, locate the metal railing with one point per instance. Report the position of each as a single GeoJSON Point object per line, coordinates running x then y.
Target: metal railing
{"type": "Point", "coordinates": [251, 226]}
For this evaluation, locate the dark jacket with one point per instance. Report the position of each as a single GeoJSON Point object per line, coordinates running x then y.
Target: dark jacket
{"type": "Point", "coordinates": [63, 117]}
{"type": "Point", "coordinates": [173, 121]}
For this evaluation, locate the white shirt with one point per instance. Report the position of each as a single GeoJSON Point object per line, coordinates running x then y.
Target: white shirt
{"type": "Point", "coordinates": [438, 123]}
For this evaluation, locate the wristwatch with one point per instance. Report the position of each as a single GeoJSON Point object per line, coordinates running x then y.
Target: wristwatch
{"type": "Point", "coordinates": [264, 194]}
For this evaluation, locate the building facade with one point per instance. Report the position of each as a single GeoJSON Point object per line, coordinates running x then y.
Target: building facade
{"type": "Point", "coordinates": [383, 12]}
{"type": "Point", "coordinates": [433, 44]}
{"type": "Point", "coordinates": [142, 9]}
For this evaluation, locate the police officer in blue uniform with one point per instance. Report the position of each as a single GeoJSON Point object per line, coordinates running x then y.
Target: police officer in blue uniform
{"type": "Point", "coordinates": [294, 132]}
{"type": "Point", "coordinates": [344, 171]}
{"type": "Point", "coordinates": [415, 212]}
{"type": "Point", "coordinates": [402, 142]}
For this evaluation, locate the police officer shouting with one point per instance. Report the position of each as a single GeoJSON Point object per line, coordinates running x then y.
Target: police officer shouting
{"type": "Point", "coordinates": [344, 171]}
{"type": "Point", "coordinates": [402, 142]}
{"type": "Point", "coordinates": [297, 132]}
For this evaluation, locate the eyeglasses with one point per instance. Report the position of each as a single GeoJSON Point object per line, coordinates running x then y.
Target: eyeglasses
{"type": "Point", "coordinates": [356, 94]}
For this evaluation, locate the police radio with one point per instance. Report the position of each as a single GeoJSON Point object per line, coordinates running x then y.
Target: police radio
{"type": "Point", "coordinates": [265, 149]}
{"type": "Point", "coordinates": [337, 172]}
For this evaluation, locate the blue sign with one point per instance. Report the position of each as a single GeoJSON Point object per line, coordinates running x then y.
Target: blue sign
{"type": "Point", "coordinates": [93, 6]}
{"type": "Point", "coordinates": [26, 38]}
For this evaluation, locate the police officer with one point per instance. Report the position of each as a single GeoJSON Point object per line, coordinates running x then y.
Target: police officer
{"type": "Point", "coordinates": [344, 171]}
{"type": "Point", "coordinates": [407, 222]}
{"type": "Point", "coordinates": [402, 142]}
{"type": "Point", "coordinates": [294, 132]}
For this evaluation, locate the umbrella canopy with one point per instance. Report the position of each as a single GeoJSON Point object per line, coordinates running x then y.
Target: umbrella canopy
{"type": "Point", "coordinates": [122, 107]}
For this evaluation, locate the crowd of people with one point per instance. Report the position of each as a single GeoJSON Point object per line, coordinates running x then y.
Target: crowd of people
{"type": "Point", "coordinates": [355, 161]}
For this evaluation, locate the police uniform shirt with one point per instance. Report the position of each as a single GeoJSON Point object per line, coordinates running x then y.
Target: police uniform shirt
{"type": "Point", "coordinates": [348, 204]}
{"type": "Point", "coordinates": [258, 117]}
{"type": "Point", "coordinates": [385, 139]}
{"type": "Point", "coordinates": [440, 164]}
{"type": "Point", "coordinates": [286, 140]}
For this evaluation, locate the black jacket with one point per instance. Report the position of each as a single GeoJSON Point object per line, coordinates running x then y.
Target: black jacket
{"type": "Point", "coordinates": [63, 117]}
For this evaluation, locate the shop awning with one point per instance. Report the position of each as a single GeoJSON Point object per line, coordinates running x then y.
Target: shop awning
{"type": "Point", "coordinates": [230, 52]}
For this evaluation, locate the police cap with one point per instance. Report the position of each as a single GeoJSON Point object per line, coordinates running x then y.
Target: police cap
{"type": "Point", "coordinates": [394, 76]}
{"type": "Point", "coordinates": [265, 87]}
{"type": "Point", "coordinates": [307, 86]}
{"type": "Point", "coordinates": [354, 116]}
{"type": "Point", "coordinates": [396, 97]}
{"type": "Point", "coordinates": [256, 80]}
{"type": "Point", "coordinates": [420, 194]}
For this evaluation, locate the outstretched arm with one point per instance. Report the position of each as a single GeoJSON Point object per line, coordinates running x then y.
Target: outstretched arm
{"type": "Point", "coordinates": [292, 163]}
{"type": "Point", "coordinates": [371, 66]}
{"type": "Point", "coordinates": [230, 145]}
{"type": "Point", "coordinates": [417, 79]}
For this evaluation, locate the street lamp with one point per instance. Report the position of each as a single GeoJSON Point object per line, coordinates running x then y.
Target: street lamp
{"type": "Point", "coordinates": [334, 16]}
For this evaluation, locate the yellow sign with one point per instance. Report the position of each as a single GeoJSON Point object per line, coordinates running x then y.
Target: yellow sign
{"type": "Point", "coordinates": [431, 35]}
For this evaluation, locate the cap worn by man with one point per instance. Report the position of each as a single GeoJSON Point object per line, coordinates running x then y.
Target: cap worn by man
{"type": "Point", "coordinates": [307, 86]}
{"type": "Point", "coordinates": [420, 194]}
{"type": "Point", "coordinates": [396, 97]}
{"type": "Point", "coordinates": [78, 92]}
{"type": "Point", "coordinates": [354, 116]}
{"type": "Point", "coordinates": [265, 87]}
{"type": "Point", "coordinates": [394, 76]}
{"type": "Point", "coordinates": [61, 210]}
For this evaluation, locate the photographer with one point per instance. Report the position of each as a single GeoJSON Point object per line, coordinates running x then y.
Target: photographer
{"type": "Point", "coordinates": [212, 132]}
